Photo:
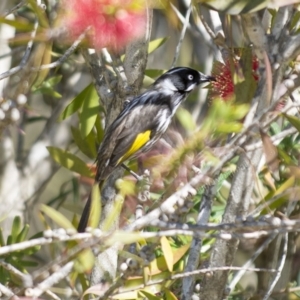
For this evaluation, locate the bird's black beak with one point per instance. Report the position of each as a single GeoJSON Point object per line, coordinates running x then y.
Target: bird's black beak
{"type": "Point", "coordinates": [206, 78]}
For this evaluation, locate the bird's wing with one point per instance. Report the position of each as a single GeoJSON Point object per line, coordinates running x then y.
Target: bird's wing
{"type": "Point", "coordinates": [138, 129]}
{"type": "Point", "coordinates": [130, 132]}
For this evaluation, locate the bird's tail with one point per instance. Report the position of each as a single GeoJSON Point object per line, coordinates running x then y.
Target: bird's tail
{"type": "Point", "coordinates": [84, 219]}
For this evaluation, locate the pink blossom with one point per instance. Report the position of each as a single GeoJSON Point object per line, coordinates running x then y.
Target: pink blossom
{"type": "Point", "coordinates": [110, 23]}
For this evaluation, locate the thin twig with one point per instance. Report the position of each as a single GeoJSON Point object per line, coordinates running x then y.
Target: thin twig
{"type": "Point", "coordinates": [276, 139]}
{"type": "Point", "coordinates": [206, 26]}
{"type": "Point", "coordinates": [4, 291]}
{"type": "Point", "coordinates": [54, 278]}
{"type": "Point", "coordinates": [185, 25]}
{"type": "Point", "coordinates": [25, 58]}
{"type": "Point", "coordinates": [63, 58]}
{"type": "Point", "coordinates": [237, 277]}
{"type": "Point", "coordinates": [188, 283]}
{"type": "Point", "coordinates": [118, 283]}
{"type": "Point", "coordinates": [194, 273]}
{"type": "Point", "coordinates": [25, 278]}
{"type": "Point", "coordinates": [12, 10]}
{"type": "Point", "coordinates": [280, 267]}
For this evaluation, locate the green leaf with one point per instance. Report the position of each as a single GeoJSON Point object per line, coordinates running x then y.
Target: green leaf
{"type": "Point", "coordinates": [148, 295]}
{"type": "Point", "coordinates": [19, 24]}
{"type": "Point", "coordinates": [85, 261]}
{"type": "Point", "coordinates": [54, 80]}
{"type": "Point", "coordinates": [29, 263]}
{"type": "Point", "coordinates": [295, 20]}
{"type": "Point", "coordinates": [57, 217]}
{"type": "Point", "coordinates": [76, 103]}
{"type": "Point", "coordinates": [49, 91]}
{"type": "Point", "coordinates": [170, 295]}
{"type": "Point", "coordinates": [287, 159]}
{"type": "Point", "coordinates": [96, 206]}
{"type": "Point", "coordinates": [159, 264]}
{"type": "Point", "coordinates": [229, 127]}
{"type": "Point", "coordinates": [155, 44]}
{"type": "Point", "coordinates": [2, 242]}
{"type": "Point", "coordinates": [294, 121]}
{"type": "Point", "coordinates": [43, 57]}
{"type": "Point", "coordinates": [185, 119]}
{"type": "Point", "coordinates": [22, 235]}
{"type": "Point", "coordinates": [70, 161]}
{"type": "Point", "coordinates": [16, 228]}
{"type": "Point", "coordinates": [167, 251]}
{"type": "Point", "coordinates": [89, 112]}
{"type": "Point", "coordinates": [87, 145]}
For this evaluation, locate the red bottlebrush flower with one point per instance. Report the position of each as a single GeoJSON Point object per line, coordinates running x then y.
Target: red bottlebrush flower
{"type": "Point", "coordinates": [223, 87]}
{"type": "Point", "coordinates": [110, 23]}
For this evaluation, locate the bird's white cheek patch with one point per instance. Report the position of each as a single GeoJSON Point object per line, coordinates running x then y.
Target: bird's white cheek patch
{"type": "Point", "coordinates": [191, 87]}
{"type": "Point", "coordinates": [168, 87]}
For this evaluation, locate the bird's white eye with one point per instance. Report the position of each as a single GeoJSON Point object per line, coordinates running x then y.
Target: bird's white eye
{"type": "Point", "coordinates": [190, 77]}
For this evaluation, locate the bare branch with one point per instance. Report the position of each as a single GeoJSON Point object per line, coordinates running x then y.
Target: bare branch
{"type": "Point", "coordinates": [25, 57]}
{"type": "Point", "coordinates": [64, 57]}
{"type": "Point", "coordinates": [53, 279]}
{"type": "Point", "coordinates": [280, 267]}
{"type": "Point", "coordinates": [182, 34]}
{"type": "Point", "coordinates": [25, 278]}
{"type": "Point", "coordinates": [188, 283]}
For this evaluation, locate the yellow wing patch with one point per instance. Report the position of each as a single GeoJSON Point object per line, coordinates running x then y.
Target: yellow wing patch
{"type": "Point", "coordinates": [140, 140]}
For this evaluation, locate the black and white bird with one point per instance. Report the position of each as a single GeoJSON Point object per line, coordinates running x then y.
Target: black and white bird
{"type": "Point", "coordinates": [142, 122]}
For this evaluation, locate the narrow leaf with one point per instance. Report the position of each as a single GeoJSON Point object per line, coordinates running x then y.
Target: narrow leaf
{"type": "Point", "coordinates": [170, 295]}
{"type": "Point", "coordinates": [22, 235]}
{"type": "Point", "coordinates": [76, 103]}
{"type": "Point", "coordinates": [294, 121]}
{"type": "Point", "coordinates": [229, 127]}
{"type": "Point", "coordinates": [155, 44]}
{"type": "Point", "coordinates": [20, 24]}
{"type": "Point", "coordinates": [159, 265]}
{"type": "Point", "coordinates": [44, 51]}
{"type": "Point", "coordinates": [270, 151]}
{"type": "Point", "coordinates": [167, 251]}
{"type": "Point", "coordinates": [148, 295]}
{"type": "Point", "coordinates": [70, 161]}
{"type": "Point", "coordinates": [89, 112]}
{"type": "Point", "coordinates": [57, 217]}
{"type": "Point", "coordinates": [86, 145]}
{"type": "Point", "coordinates": [2, 242]}
{"type": "Point", "coordinates": [16, 228]}
{"type": "Point", "coordinates": [85, 261]}
{"type": "Point", "coordinates": [95, 214]}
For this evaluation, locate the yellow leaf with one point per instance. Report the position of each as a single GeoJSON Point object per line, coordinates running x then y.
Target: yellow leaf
{"type": "Point", "coordinates": [158, 265]}
{"type": "Point", "coordinates": [167, 251]}
{"type": "Point", "coordinates": [85, 261]}
{"type": "Point", "coordinates": [57, 217]}
{"type": "Point", "coordinates": [95, 214]}
{"type": "Point", "coordinates": [170, 295]}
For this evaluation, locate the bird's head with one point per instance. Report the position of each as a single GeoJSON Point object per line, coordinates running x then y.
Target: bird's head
{"type": "Point", "coordinates": [181, 79]}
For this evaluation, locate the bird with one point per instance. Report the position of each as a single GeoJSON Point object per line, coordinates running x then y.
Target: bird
{"type": "Point", "coordinates": [142, 122]}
